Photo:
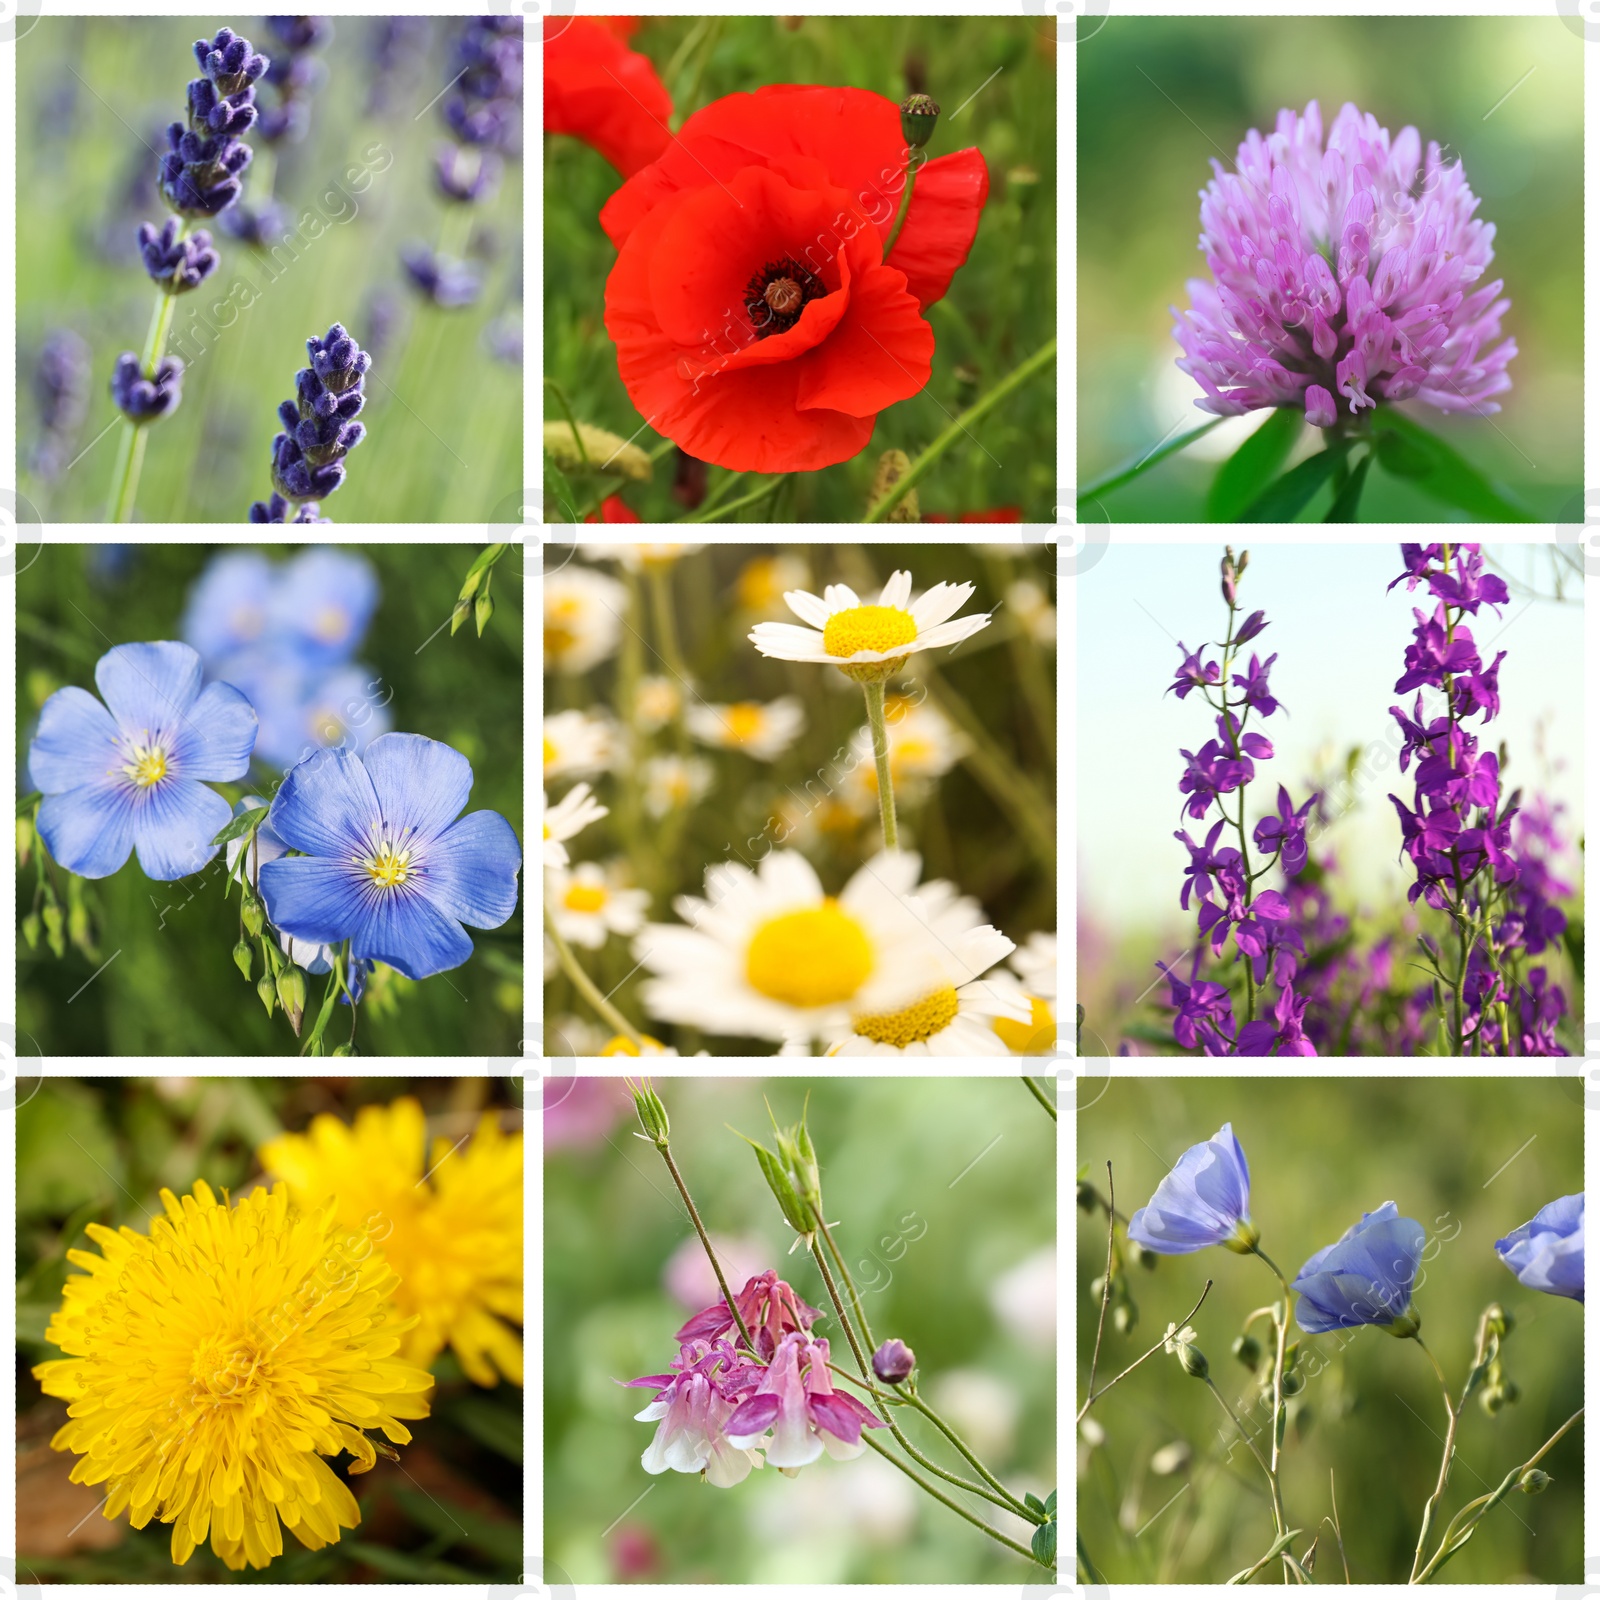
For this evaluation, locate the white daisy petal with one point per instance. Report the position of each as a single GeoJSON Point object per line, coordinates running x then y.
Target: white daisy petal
{"type": "Point", "coordinates": [897, 592]}
{"type": "Point", "coordinates": [952, 632]}
{"type": "Point", "coordinates": [807, 607]}
{"type": "Point", "coordinates": [942, 601]}
{"type": "Point", "coordinates": [841, 597]}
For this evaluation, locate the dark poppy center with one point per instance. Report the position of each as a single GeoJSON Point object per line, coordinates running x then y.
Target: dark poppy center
{"type": "Point", "coordinates": [778, 293]}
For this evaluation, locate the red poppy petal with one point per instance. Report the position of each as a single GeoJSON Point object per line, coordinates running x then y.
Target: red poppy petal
{"type": "Point", "coordinates": [603, 93]}
{"type": "Point", "coordinates": [854, 134]}
{"type": "Point", "coordinates": [941, 223]}
{"type": "Point", "coordinates": [881, 352]}
{"type": "Point", "coordinates": [716, 238]}
{"type": "Point", "coordinates": [614, 509]}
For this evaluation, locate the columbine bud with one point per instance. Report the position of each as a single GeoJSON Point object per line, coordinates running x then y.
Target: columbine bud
{"type": "Point", "coordinates": [1193, 1361]}
{"type": "Point", "coordinates": [1247, 1350]}
{"type": "Point", "coordinates": [652, 1114]}
{"type": "Point", "coordinates": [893, 1360]}
{"type": "Point", "coordinates": [1533, 1481]}
{"type": "Point", "coordinates": [241, 958]}
{"type": "Point", "coordinates": [482, 610]}
{"type": "Point", "coordinates": [252, 915]}
{"type": "Point", "coordinates": [292, 995]}
{"type": "Point", "coordinates": [1243, 562]}
{"type": "Point", "coordinates": [807, 1175]}
{"type": "Point", "coordinates": [919, 116]}
{"type": "Point", "coordinates": [783, 1191]}
{"type": "Point", "coordinates": [463, 610]}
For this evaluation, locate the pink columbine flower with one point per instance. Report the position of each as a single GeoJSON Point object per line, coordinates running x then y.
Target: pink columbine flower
{"type": "Point", "coordinates": [797, 1402]}
{"type": "Point", "coordinates": [708, 1383]}
{"type": "Point", "coordinates": [770, 1309]}
{"type": "Point", "coordinates": [1342, 276]}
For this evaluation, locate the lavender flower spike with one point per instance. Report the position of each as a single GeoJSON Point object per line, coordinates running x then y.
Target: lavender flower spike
{"type": "Point", "coordinates": [277, 509]}
{"type": "Point", "coordinates": [176, 265]}
{"type": "Point", "coordinates": [144, 399]}
{"type": "Point", "coordinates": [1342, 276]}
{"type": "Point", "coordinates": [319, 424]}
{"type": "Point", "coordinates": [200, 172]}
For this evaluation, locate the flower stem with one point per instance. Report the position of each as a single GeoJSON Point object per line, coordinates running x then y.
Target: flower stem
{"type": "Point", "coordinates": [585, 986]}
{"type": "Point", "coordinates": [572, 422]}
{"type": "Point", "coordinates": [1453, 1411]}
{"type": "Point", "coordinates": [1281, 1319]}
{"type": "Point", "coordinates": [708, 514]}
{"type": "Point", "coordinates": [130, 449]}
{"type": "Point", "coordinates": [1014, 380]}
{"type": "Point", "coordinates": [912, 167]}
{"type": "Point", "coordinates": [711, 1254]}
{"type": "Point", "coordinates": [880, 754]}
{"type": "Point", "coordinates": [1039, 1095]}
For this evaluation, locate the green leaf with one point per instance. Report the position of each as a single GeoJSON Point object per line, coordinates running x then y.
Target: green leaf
{"type": "Point", "coordinates": [1253, 465]}
{"type": "Point", "coordinates": [489, 1424]}
{"type": "Point", "coordinates": [28, 802]}
{"type": "Point", "coordinates": [241, 826]}
{"type": "Point", "coordinates": [1050, 1503]}
{"type": "Point", "coordinates": [1153, 458]}
{"type": "Point", "coordinates": [1285, 498]}
{"type": "Point", "coordinates": [1279, 1545]}
{"type": "Point", "coordinates": [1410, 451]}
{"type": "Point", "coordinates": [1044, 1543]}
{"type": "Point", "coordinates": [1033, 1503]}
{"type": "Point", "coordinates": [1349, 496]}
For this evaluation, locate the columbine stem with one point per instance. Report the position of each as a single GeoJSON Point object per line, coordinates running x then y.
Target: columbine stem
{"type": "Point", "coordinates": [980, 408]}
{"type": "Point", "coordinates": [585, 986]}
{"type": "Point", "coordinates": [130, 450]}
{"type": "Point", "coordinates": [880, 755]}
{"type": "Point", "coordinates": [711, 1254]}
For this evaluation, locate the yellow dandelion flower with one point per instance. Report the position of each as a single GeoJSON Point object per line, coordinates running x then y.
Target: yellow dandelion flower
{"type": "Point", "coordinates": [452, 1230]}
{"type": "Point", "coordinates": [211, 1365]}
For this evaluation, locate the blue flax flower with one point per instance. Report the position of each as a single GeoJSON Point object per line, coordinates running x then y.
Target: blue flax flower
{"type": "Point", "coordinates": [1547, 1253]}
{"type": "Point", "coordinates": [130, 775]}
{"type": "Point", "coordinates": [389, 863]}
{"type": "Point", "coordinates": [1205, 1199]}
{"type": "Point", "coordinates": [1364, 1280]}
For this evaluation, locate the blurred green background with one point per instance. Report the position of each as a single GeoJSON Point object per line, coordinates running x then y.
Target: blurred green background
{"type": "Point", "coordinates": [1470, 1159]}
{"type": "Point", "coordinates": [174, 989]}
{"type": "Point", "coordinates": [443, 415]}
{"type": "Point", "coordinates": [888, 1148]}
{"type": "Point", "coordinates": [99, 1150]}
{"type": "Point", "coordinates": [1160, 97]}
{"type": "Point", "coordinates": [1001, 306]}
{"type": "Point", "coordinates": [996, 689]}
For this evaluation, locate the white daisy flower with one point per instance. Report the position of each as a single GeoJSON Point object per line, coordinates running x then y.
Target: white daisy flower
{"type": "Point", "coordinates": [578, 743]}
{"type": "Point", "coordinates": [768, 954]}
{"type": "Point", "coordinates": [804, 819]}
{"type": "Point", "coordinates": [583, 612]}
{"type": "Point", "coordinates": [578, 808]}
{"type": "Point", "coordinates": [638, 556]}
{"type": "Point", "coordinates": [1033, 610]}
{"type": "Point", "coordinates": [674, 781]}
{"type": "Point", "coordinates": [760, 586]}
{"type": "Point", "coordinates": [655, 703]}
{"type": "Point", "coordinates": [1031, 1031]}
{"type": "Point", "coordinates": [619, 1046]}
{"type": "Point", "coordinates": [574, 1036]}
{"type": "Point", "coordinates": [860, 638]}
{"type": "Point", "coordinates": [762, 731]}
{"type": "Point", "coordinates": [588, 903]}
{"type": "Point", "coordinates": [1035, 964]}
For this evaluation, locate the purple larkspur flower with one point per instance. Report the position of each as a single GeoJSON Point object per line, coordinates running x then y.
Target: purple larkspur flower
{"type": "Point", "coordinates": [1469, 586]}
{"type": "Point", "coordinates": [1281, 1035]}
{"type": "Point", "coordinates": [1251, 626]}
{"type": "Point", "coordinates": [1211, 774]}
{"type": "Point", "coordinates": [1194, 673]}
{"type": "Point", "coordinates": [1480, 691]}
{"type": "Point", "coordinates": [1203, 861]}
{"type": "Point", "coordinates": [1344, 272]}
{"type": "Point", "coordinates": [1254, 683]}
{"type": "Point", "coordinates": [1255, 745]}
{"type": "Point", "coordinates": [1436, 650]}
{"type": "Point", "coordinates": [1285, 833]}
{"type": "Point", "coordinates": [1204, 1010]}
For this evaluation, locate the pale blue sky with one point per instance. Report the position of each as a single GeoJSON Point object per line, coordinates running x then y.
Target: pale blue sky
{"type": "Point", "coordinates": [1341, 644]}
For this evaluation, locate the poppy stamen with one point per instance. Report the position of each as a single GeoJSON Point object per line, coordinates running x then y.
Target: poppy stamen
{"type": "Point", "coordinates": [777, 295]}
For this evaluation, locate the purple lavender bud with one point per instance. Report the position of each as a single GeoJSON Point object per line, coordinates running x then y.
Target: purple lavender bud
{"type": "Point", "coordinates": [299, 34]}
{"type": "Point", "coordinates": [61, 387]}
{"type": "Point", "coordinates": [319, 426]}
{"type": "Point", "coordinates": [503, 339]}
{"type": "Point", "coordinates": [294, 75]}
{"type": "Point", "coordinates": [468, 175]}
{"type": "Point", "coordinates": [176, 265]}
{"type": "Point", "coordinates": [277, 509]}
{"type": "Point", "coordinates": [146, 399]}
{"type": "Point", "coordinates": [485, 105]}
{"type": "Point", "coordinates": [445, 282]}
{"type": "Point", "coordinates": [260, 226]}
{"type": "Point", "coordinates": [893, 1360]}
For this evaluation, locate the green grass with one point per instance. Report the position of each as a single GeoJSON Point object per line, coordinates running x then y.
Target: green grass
{"type": "Point", "coordinates": [1001, 306]}
{"type": "Point", "coordinates": [444, 417]}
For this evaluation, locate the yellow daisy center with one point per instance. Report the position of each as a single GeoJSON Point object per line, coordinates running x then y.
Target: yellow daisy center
{"type": "Point", "coordinates": [1035, 1037]}
{"type": "Point", "coordinates": [744, 721]}
{"type": "Point", "coordinates": [550, 751]}
{"type": "Point", "coordinates": [759, 585]}
{"type": "Point", "coordinates": [809, 958]}
{"type": "Point", "coordinates": [146, 764]}
{"type": "Point", "coordinates": [624, 1047]}
{"type": "Point", "coordinates": [387, 866]}
{"type": "Point", "coordinates": [867, 628]}
{"type": "Point", "coordinates": [930, 1015]}
{"type": "Point", "coordinates": [584, 897]}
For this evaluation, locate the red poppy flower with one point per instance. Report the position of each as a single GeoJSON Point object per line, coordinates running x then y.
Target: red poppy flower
{"type": "Point", "coordinates": [613, 509]}
{"type": "Point", "coordinates": [756, 321]}
{"type": "Point", "coordinates": [600, 91]}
